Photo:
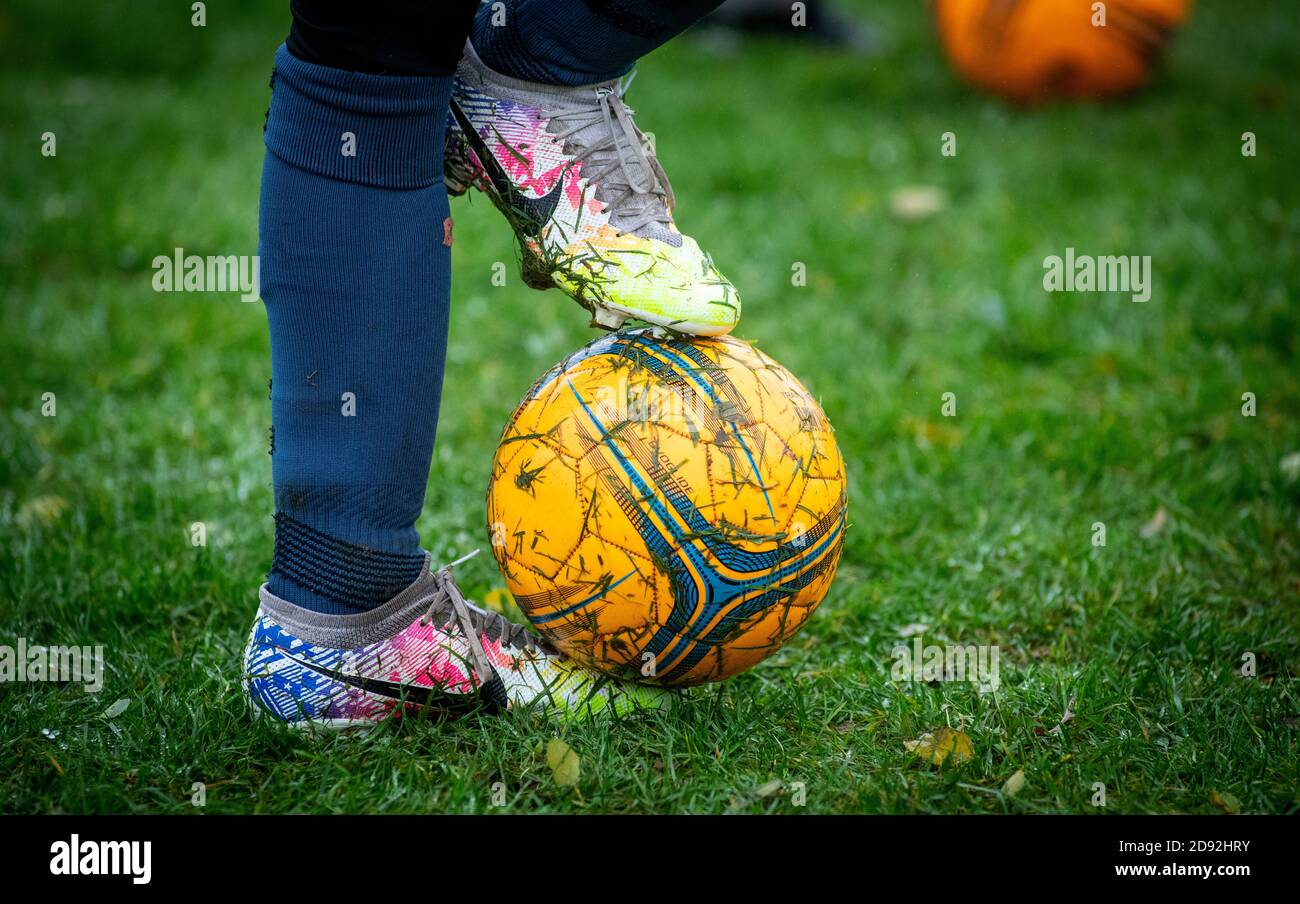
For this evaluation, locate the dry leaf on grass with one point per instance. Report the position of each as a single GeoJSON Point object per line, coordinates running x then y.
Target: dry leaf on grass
{"type": "Point", "coordinates": [563, 762]}
{"type": "Point", "coordinates": [938, 745]}
{"type": "Point", "coordinates": [41, 510]}
{"type": "Point", "coordinates": [1225, 801]}
{"type": "Point", "coordinates": [1156, 524]}
{"type": "Point", "coordinates": [740, 802]}
{"type": "Point", "coordinates": [916, 202]}
{"type": "Point", "coordinates": [1013, 785]}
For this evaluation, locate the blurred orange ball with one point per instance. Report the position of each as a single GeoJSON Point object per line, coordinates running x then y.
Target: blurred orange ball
{"type": "Point", "coordinates": [1033, 51]}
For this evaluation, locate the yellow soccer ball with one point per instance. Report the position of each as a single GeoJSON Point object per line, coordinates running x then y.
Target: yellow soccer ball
{"type": "Point", "coordinates": [667, 510]}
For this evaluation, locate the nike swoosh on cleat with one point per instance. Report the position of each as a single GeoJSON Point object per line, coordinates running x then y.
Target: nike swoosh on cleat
{"type": "Point", "coordinates": [536, 212]}
{"type": "Point", "coordinates": [492, 693]}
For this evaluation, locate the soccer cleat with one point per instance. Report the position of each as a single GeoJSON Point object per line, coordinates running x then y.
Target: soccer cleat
{"type": "Point", "coordinates": [428, 652]}
{"type": "Point", "coordinates": [587, 198]}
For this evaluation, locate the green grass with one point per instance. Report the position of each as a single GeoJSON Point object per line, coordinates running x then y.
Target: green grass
{"type": "Point", "coordinates": [1072, 409]}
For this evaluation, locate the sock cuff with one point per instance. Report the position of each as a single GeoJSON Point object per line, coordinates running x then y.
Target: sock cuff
{"type": "Point", "coordinates": [379, 130]}
{"type": "Point", "coordinates": [347, 575]}
{"type": "Point", "coordinates": [357, 629]}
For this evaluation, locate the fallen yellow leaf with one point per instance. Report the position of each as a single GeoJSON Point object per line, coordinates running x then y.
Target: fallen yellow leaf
{"type": "Point", "coordinates": [563, 762]}
{"type": "Point", "coordinates": [1156, 524]}
{"type": "Point", "coordinates": [1013, 785]}
{"type": "Point", "coordinates": [916, 202]}
{"type": "Point", "coordinates": [1225, 801]}
{"type": "Point", "coordinates": [41, 509]}
{"type": "Point", "coordinates": [1290, 466]}
{"type": "Point", "coordinates": [932, 434]}
{"type": "Point", "coordinates": [936, 746]}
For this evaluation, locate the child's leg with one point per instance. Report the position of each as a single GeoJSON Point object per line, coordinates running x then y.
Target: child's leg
{"type": "Point", "coordinates": [578, 42]}
{"type": "Point", "coordinates": [355, 264]}
{"type": "Point", "coordinates": [353, 627]}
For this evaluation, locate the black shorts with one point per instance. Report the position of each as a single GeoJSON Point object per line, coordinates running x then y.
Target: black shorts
{"type": "Point", "coordinates": [383, 37]}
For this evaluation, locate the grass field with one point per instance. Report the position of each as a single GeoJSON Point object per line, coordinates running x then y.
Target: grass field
{"type": "Point", "coordinates": [1071, 409]}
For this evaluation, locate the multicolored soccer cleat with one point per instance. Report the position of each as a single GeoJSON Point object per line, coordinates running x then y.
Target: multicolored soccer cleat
{"type": "Point", "coordinates": [588, 200]}
{"type": "Point", "coordinates": [428, 652]}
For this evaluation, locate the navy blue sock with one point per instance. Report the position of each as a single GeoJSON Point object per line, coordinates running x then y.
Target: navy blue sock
{"type": "Point", "coordinates": [578, 42]}
{"type": "Point", "coordinates": [354, 240]}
